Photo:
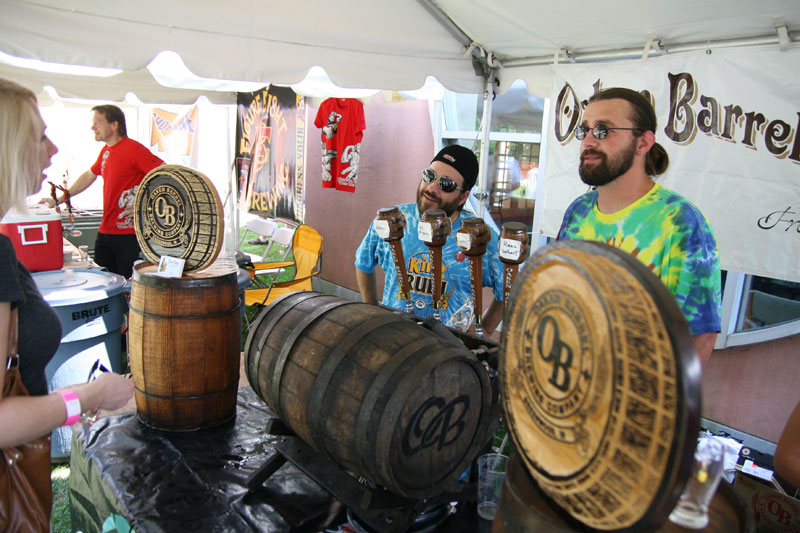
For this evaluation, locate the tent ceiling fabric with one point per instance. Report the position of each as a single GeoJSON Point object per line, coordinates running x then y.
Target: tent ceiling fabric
{"type": "Point", "coordinates": [384, 44]}
{"type": "Point", "coordinates": [112, 88]}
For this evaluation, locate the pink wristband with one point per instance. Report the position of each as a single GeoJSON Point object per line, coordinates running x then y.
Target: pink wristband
{"type": "Point", "coordinates": [73, 406]}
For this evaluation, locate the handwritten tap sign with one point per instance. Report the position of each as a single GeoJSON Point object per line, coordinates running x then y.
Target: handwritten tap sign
{"type": "Point", "coordinates": [510, 249]}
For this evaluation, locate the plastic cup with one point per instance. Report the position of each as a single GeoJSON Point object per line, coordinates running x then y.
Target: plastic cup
{"type": "Point", "coordinates": [491, 473]}
{"type": "Point", "coordinates": [692, 509]}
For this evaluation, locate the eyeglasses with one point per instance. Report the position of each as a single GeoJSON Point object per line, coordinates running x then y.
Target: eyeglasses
{"type": "Point", "coordinates": [445, 184]}
{"type": "Point", "coordinates": [600, 131]}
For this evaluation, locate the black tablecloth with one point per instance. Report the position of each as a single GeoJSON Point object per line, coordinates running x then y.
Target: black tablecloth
{"type": "Point", "coordinates": [128, 474]}
{"type": "Point", "coordinates": [191, 481]}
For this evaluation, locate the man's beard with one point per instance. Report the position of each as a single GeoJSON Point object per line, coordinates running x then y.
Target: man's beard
{"type": "Point", "coordinates": [606, 170]}
{"type": "Point", "coordinates": [448, 207]}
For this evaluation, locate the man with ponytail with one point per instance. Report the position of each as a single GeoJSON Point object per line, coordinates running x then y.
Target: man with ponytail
{"type": "Point", "coordinates": [627, 209]}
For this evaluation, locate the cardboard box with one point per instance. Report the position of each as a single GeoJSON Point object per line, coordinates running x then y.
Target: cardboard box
{"type": "Point", "coordinates": [773, 512]}
{"type": "Point", "coordinates": [37, 238]}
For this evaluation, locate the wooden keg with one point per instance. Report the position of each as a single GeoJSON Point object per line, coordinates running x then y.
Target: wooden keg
{"type": "Point", "coordinates": [600, 384]}
{"type": "Point", "coordinates": [177, 213]}
{"type": "Point", "coordinates": [523, 507]}
{"type": "Point", "coordinates": [184, 343]}
{"type": "Point", "coordinates": [370, 389]}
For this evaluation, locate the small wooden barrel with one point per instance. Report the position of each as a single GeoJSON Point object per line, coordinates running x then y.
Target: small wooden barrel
{"type": "Point", "coordinates": [177, 212]}
{"type": "Point", "coordinates": [600, 384]}
{"type": "Point", "coordinates": [473, 236]}
{"type": "Point", "coordinates": [523, 507]}
{"type": "Point", "coordinates": [373, 391]}
{"type": "Point", "coordinates": [184, 343]}
{"type": "Point", "coordinates": [434, 227]}
{"type": "Point", "coordinates": [390, 223]}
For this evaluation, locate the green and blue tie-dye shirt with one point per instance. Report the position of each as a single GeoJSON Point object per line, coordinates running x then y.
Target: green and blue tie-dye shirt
{"type": "Point", "coordinates": [670, 236]}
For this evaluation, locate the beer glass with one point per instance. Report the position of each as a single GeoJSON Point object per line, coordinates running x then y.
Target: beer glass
{"type": "Point", "coordinates": [692, 508]}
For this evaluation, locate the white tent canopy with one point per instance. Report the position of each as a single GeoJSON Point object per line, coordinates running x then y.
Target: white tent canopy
{"type": "Point", "coordinates": [384, 44]}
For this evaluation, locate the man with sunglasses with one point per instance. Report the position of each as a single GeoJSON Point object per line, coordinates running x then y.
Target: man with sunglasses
{"type": "Point", "coordinates": [628, 210]}
{"type": "Point", "coordinates": [445, 185]}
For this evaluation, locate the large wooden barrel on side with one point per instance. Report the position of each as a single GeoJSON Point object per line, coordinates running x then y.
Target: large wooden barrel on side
{"type": "Point", "coordinates": [600, 384]}
{"type": "Point", "coordinates": [184, 347]}
{"type": "Point", "coordinates": [523, 507]}
{"type": "Point", "coordinates": [372, 390]}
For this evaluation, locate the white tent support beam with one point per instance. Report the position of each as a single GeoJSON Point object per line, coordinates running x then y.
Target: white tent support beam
{"type": "Point", "coordinates": [486, 127]}
{"type": "Point", "coordinates": [772, 39]}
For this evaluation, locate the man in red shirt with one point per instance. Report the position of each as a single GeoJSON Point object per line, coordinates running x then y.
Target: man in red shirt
{"type": "Point", "coordinates": [123, 163]}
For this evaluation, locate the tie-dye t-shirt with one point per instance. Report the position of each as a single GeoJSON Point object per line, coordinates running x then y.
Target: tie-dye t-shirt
{"type": "Point", "coordinates": [670, 236]}
{"type": "Point", "coordinates": [456, 290]}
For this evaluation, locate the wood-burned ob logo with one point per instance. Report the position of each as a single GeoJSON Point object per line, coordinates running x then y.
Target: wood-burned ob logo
{"type": "Point", "coordinates": [436, 422]}
{"type": "Point", "coordinates": [167, 217]}
{"type": "Point", "coordinates": [556, 366]}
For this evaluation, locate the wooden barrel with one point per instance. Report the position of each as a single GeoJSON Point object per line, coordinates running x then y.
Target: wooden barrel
{"type": "Point", "coordinates": [372, 390]}
{"type": "Point", "coordinates": [523, 507]}
{"type": "Point", "coordinates": [600, 384]}
{"type": "Point", "coordinates": [184, 343]}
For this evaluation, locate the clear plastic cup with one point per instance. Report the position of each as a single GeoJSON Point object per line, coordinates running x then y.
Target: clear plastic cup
{"type": "Point", "coordinates": [491, 473]}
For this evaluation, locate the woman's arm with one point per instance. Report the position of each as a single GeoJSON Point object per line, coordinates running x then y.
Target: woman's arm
{"type": "Point", "coordinates": [24, 418]}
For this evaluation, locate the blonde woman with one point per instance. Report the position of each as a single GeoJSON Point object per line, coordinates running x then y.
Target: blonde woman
{"type": "Point", "coordinates": [25, 151]}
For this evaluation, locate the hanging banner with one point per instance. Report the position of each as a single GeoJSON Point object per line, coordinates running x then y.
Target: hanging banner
{"type": "Point", "coordinates": [729, 121]}
{"type": "Point", "coordinates": [270, 139]}
{"type": "Point", "coordinates": [174, 135]}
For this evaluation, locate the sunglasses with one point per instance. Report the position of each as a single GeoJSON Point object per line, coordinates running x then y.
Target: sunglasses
{"type": "Point", "coordinates": [600, 131]}
{"type": "Point", "coordinates": [445, 184]}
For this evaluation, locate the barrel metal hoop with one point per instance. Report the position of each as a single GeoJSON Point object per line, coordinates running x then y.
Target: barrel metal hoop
{"type": "Point", "coordinates": [229, 388]}
{"type": "Point", "coordinates": [297, 330]}
{"type": "Point", "coordinates": [378, 385]}
{"type": "Point", "coordinates": [254, 362]}
{"type": "Point", "coordinates": [227, 312]}
{"type": "Point", "coordinates": [332, 360]}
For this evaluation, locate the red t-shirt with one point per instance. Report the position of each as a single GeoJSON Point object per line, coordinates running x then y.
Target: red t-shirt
{"type": "Point", "coordinates": [343, 125]}
{"type": "Point", "coordinates": [122, 166]}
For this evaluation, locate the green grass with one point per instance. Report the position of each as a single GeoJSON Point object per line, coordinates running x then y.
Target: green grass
{"type": "Point", "coordinates": [60, 521]}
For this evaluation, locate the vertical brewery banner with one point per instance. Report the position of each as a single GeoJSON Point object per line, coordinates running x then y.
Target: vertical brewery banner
{"type": "Point", "coordinates": [270, 138]}
{"type": "Point", "coordinates": [174, 135]}
{"type": "Point", "coordinates": [730, 123]}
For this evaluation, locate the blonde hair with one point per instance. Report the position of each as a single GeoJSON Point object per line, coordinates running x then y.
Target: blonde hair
{"type": "Point", "coordinates": [18, 113]}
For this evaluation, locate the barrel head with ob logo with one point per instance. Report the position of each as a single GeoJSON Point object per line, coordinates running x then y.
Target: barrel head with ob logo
{"type": "Point", "coordinates": [178, 213]}
{"type": "Point", "coordinates": [600, 384]}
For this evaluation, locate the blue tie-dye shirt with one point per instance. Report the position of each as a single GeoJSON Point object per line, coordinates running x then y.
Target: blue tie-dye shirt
{"type": "Point", "coordinates": [456, 291]}
{"type": "Point", "coordinates": [670, 236]}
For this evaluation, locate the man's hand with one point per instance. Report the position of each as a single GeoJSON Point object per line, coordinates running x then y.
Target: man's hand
{"type": "Point", "coordinates": [49, 202]}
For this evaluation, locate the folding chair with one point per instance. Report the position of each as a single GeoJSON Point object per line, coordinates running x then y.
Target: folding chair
{"type": "Point", "coordinates": [306, 248]}
{"type": "Point", "coordinates": [263, 227]}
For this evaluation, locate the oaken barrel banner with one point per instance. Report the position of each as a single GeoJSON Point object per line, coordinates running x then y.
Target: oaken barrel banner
{"type": "Point", "coordinates": [270, 137]}
{"type": "Point", "coordinates": [729, 120]}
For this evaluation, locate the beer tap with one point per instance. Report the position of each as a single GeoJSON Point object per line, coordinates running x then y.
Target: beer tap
{"type": "Point", "coordinates": [472, 237]}
{"type": "Point", "coordinates": [433, 229]}
{"type": "Point", "coordinates": [512, 247]}
{"type": "Point", "coordinates": [389, 225]}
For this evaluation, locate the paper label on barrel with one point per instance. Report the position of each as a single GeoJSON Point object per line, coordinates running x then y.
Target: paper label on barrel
{"type": "Point", "coordinates": [464, 241]}
{"type": "Point", "coordinates": [510, 249]}
{"type": "Point", "coordinates": [382, 228]}
{"type": "Point", "coordinates": [425, 231]}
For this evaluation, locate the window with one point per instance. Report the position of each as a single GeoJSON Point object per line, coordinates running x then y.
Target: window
{"type": "Point", "coordinates": [509, 189]}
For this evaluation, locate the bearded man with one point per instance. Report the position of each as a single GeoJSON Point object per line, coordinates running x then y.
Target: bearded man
{"type": "Point", "coordinates": [628, 210]}
{"type": "Point", "coordinates": [445, 185]}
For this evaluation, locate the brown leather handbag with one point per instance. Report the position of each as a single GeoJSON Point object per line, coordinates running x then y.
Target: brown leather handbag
{"type": "Point", "coordinates": [26, 491]}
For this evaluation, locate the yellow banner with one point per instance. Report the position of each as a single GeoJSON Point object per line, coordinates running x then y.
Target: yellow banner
{"type": "Point", "coordinates": [173, 133]}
